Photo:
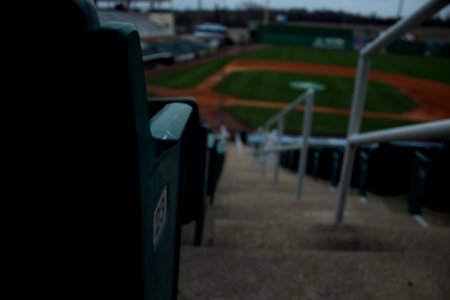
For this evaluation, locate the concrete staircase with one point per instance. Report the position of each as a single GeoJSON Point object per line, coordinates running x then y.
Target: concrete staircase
{"type": "Point", "coordinates": [263, 243]}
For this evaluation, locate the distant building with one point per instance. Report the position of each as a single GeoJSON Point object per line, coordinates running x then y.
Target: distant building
{"type": "Point", "coordinates": [145, 27]}
{"type": "Point", "coordinates": [152, 18]}
{"type": "Point", "coordinates": [165, 19]}
{"type": "Point", "coordinates": [214, 35]}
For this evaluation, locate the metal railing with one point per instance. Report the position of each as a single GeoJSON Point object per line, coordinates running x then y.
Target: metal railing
{"type": "Point", "coordinates": [279, 119]}
{"type": "Point", "coordinates": [354, 138]}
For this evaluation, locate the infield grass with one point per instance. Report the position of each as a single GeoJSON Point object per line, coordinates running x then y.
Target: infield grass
{"type": "Point", "coordinates": [274, 86]}
{"type": "Point", "coordinates": [325, 124]}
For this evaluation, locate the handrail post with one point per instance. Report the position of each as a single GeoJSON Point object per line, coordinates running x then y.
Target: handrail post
{"type": "Point", "coordinates": [307, 123]}
{"type": "Point", "coordinates": [276, 167]}
{"type": "Point", "coordinates": [263, 154]}
{"type": "Point", "coordinates": [359, 95]}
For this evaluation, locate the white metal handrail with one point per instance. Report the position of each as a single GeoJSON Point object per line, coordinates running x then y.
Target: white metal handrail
{"type": "Point", "coordinates": [286, 110]}
{"type": "Point", "coordinates": [321, 142]}
{"type": "Point", "coordinates": [428, 130]}
{"type": "Point", "coordinates": [308, 99]}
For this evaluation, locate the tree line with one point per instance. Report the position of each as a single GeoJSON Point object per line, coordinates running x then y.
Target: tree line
{"type": "Point", "coordinates": [240, 17]}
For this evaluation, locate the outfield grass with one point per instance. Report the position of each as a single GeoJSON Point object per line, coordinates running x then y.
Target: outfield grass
{"type": "Point", "coordinates": [190, 76]}
{"type": "Point", "coordinates": [325, 124]}
{"type": "Point", "coordinates": [300, 54]}
{"type": "Point", "coordinates": [422, 67]}
{"type": "Point", "coordinates": [274, 86]}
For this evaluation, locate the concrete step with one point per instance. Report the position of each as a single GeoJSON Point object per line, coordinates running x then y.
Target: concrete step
{"type": "Point", "coordinates": [272, 274]}
{"type": "Point", "coordinates": [326, 200]}
{"type": "Point", "coordinates": [351, 237]}
{"type": "Point", "coordinates": [298, 217]}
{"type": "Point", "coordinates": [312, 216]}
{"type": "Point", "coordinates": [220, 215]}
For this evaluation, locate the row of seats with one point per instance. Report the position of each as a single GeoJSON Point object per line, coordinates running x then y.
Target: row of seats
{"type": "Point", "coordinates": [415, 169]}
{"type": "Point", "coordinates": [171, 51]}
{"type": "Point", "coordinates": [117, 175]}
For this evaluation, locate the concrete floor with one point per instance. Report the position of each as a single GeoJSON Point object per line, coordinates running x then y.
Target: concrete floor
{"type": "Point", "coordinates": [262, 243]}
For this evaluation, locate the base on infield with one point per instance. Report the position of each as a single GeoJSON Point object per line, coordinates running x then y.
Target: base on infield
{"type": "Point", "coordinates": [305, 85]}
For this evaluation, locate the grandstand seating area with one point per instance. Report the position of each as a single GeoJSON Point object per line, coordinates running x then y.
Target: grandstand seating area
{"type": "Point", "coordinates": [172, 51]}
{"type": "Point", "coordinates": [160, 46]}
{"type": "Point", "coordinates": [415, 169]}
{"type": "Point", "coordinates": [145, 27]}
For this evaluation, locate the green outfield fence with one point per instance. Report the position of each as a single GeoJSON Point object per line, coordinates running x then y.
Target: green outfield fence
{"type": "Point", "coordinates": [297, 35]}
{"type": "Point", "coordinates": [341, 39]}
{"type": "Point", "coordinates": [419, 48]}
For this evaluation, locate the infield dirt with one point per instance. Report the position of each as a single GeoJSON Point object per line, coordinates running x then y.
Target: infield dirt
{"type": "Point", "coordinates": [432, 98]}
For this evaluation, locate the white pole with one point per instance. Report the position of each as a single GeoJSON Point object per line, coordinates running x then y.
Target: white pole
{"type": "Point", "coordinates": [266, 13]}
{"type": "Point", "coordinates": [263, 155]}
{"type": "Point", "coordinates": [307, 124]}
{"type": "Point", "coordinates": [359, 95]}
{"type": "Point", "coordinates": [276, 167]}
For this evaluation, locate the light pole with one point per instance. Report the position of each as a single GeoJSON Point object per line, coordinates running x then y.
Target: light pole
{"type": "Point", "coordinates": [266, 12]}
{"type": "Point", "coordinates": [199, 9]}
{"type": "Point", "coordinates": [399, 9]}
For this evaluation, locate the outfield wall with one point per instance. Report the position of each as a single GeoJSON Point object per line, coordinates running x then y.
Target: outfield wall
{"type": "Point", "coordinates": [305, 36]}
{"type": "Point", "coordinates": [419, 48]}
{"type": "Point", "coordinates": [341, 39]}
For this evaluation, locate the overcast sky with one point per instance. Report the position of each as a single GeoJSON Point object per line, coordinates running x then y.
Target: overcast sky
{"type": "Point", "coordinates": [382, 8]}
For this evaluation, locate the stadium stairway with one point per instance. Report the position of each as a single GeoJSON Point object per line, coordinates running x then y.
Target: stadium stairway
{"type": "Point", "coordinates": [262, 243]}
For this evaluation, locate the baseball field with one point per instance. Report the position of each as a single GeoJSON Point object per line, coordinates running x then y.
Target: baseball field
{"type": "Point", "coordinates": [245, 89]}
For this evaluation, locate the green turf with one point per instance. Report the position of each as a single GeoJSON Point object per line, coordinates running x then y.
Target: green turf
{"type": "Point", "coordinates": [190, 76]}
{"type": "Point", "coordinates": [301, 54]}
{"type": "Point", "coordinates": [322, 123]}
{"type": "Point", "coordinates": [274, 86]}
{"type": "Point", "coordinates": [422, 67]}
{"type": "Point", "coordinates": [436, 69]}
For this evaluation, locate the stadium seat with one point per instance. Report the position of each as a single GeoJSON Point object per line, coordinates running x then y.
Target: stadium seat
{"type": "Point", "coordinates": [293, 160]}
{"type": "Point", "coordinates": [387, 169]}
{"type": "Point", "coordinates": [429, 181]}
{"type": "Point", "coordinates": [336, 166]}
{"type": "Point", "coordinates": [216, 163]}
{"type": "Point", "coordinates": [114, 177]}
{"type": "Point", "coordinates": [364, 156]}
{"type": "Point", "coordinates": [195, 153]}
{"type": "Point", "coordinates": [312, 166]}
{"type": "Point", "coordinates": [284, 157]}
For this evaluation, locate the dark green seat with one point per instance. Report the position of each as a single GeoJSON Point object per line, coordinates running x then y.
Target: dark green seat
{"type": "Point", "coordinates": [429, 182]}
{"type": "Point", "coordinates": [216, 163]}
{"type": "Point", "coordinates": [194, 160]}
{"type": "Point", "coordinates": [113, 176]}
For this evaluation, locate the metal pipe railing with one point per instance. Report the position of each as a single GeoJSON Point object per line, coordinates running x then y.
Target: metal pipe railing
{"type": "Point", "coordinates": [307, 124]}
{"type": "Point", "coordinates": [402, 26]}
{"type": "Point", "coordinates": [359, 94]}
{"type": "Point", "coordinates": [276, 172]}
{"type": "Point", "coordinates": [285, 110]}
{"type": "Point", "coordinates": [308, 98]}
{"type": "Point", "coordinates": [422, 131]}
